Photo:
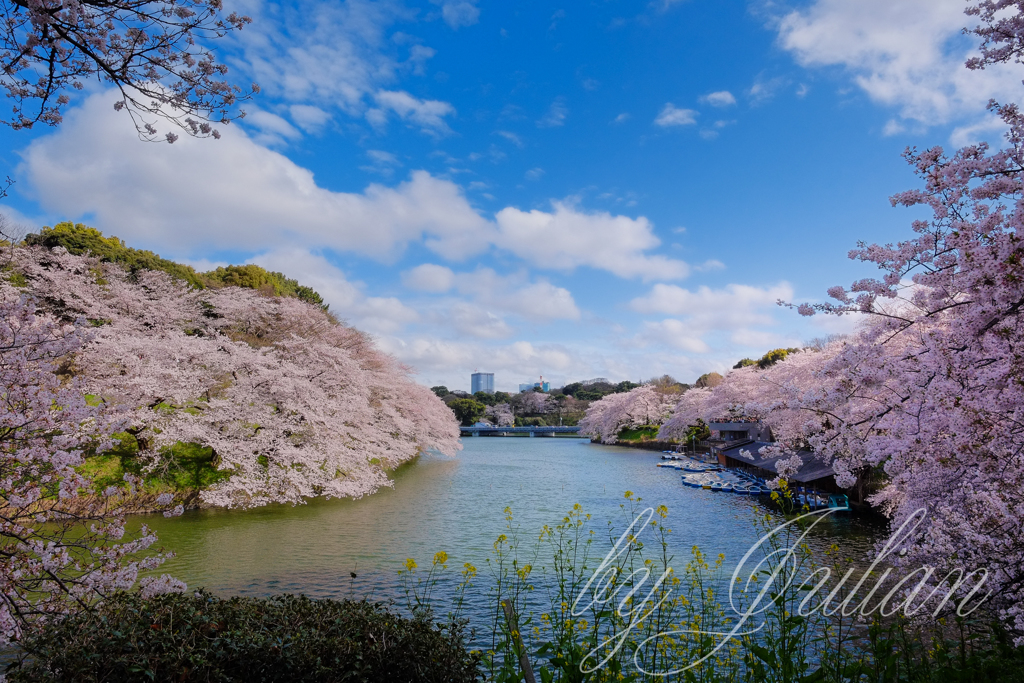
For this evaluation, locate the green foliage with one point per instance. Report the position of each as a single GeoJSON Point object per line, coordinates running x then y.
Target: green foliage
{"type": "Point", "coordinates": [485, 398]}
{"type": "Point", "coordinates": [253, 277]}
{"type": "Point", "coordinates": [17, 279]}
{"type": "Point", "coordinates": [502, 397]}
{"type": "Point", "coordinates": [466, 410]}
{"type": "Point", "coordinates": [774, 356]}
{"type": "Point", "coordinates": [440, 391]}
{"type": "Point", "coordinates": [647, 433]}
{"type": "Point", "coordinates": [744, 363]}
{"type": "Point", "coordinates": [79, 239]}
{"type": "Point", "coordinates": [198, 637]}
{"type": "Point", "coordinates": [183, 467]}
{"type": "Point", "coordinates": [676, 623]}
{"type": "Point", "coordinates": [698, 432]}
{"type": "Point", "coordinates": [597, 390]}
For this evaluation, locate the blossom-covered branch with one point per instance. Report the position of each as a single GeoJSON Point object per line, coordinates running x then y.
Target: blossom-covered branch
{"type": "Point", "coordinates": [153, 51]}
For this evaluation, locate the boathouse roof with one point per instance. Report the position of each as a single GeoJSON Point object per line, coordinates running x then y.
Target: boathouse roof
{"type": "Point", "coordinates": [812, 469]}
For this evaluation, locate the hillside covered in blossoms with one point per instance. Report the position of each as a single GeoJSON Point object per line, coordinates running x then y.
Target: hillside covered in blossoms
{"type": "Point", "coordinates": [237, 381]}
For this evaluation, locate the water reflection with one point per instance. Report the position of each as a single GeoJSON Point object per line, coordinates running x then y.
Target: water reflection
{"type": "Point", "coordinates": [455, 505]}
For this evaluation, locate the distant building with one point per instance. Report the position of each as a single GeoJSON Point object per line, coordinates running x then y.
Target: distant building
{"type": "Point", "coordinates": [482, 381]}
{"type": "Point", "coordinates": [543, 386]}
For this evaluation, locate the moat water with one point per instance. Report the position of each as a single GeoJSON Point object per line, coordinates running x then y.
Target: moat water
{"type": "Point", "coordinates": [456, 505]}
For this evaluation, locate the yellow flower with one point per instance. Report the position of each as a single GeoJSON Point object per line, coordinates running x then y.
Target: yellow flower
{"type": "Point", "coordinates": [662, 511]}
{"type": "Point", "coordinates": [410, 564]}
{"type": "Point", "coordinates": [629, 495]}
{"type": "Point", "coordinates": [440, 558]}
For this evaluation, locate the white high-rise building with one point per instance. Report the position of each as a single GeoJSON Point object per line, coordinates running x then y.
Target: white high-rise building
{"type": "Point", "coordinates": [482, 381]}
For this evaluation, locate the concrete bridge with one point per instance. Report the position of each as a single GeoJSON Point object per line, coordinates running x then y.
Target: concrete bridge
{"type": "Point", "coordinates": [517, 431]}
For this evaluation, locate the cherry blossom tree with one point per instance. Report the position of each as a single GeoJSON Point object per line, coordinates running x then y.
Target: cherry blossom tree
{"type": "Point", "coordinates": [533, 402]}
{"type": "Point", "coordinates": [931, 390]}
{"type": "Point", "coordinates": [639, 407]}
{"type": "Point", "coordinates": [292, 403]}
{"type": "Point", "coordinates": [501, 414]}
{"type": "Point", "coordinates": [154, 52]}
{"type": "Point", "coordinates": [60, 550]}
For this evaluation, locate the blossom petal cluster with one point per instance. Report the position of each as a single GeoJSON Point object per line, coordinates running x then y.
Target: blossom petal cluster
{"type": "Point", "coordinates": [642, 406]}
{"type": "Point", "coordinates": [292, 403]}
{"type": "Point", "coordinates": [61, 549]}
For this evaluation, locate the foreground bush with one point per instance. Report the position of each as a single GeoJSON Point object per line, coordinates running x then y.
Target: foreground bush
{"type": "Point", "coordinates": [197, 637]}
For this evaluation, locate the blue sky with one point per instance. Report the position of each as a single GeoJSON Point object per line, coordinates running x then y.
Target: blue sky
{"type": "Point", "coordinates": [609, 188]}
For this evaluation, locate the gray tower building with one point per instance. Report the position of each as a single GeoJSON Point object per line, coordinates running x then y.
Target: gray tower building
{"type": "Point", "coordinates": [482, 381]}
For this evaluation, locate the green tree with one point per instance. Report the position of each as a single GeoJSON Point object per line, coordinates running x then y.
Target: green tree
{"type": "Point", "coordinates": [485, 398]}
{"type": "Point", "coordinates": [744, 363]}
{"type": "Point", "coordinates": [467, 411]}
{"type": "Point", "coordinates": [774, 356]}
{"type": "Point", "coordinates": [440, 391]}
{"type": "Point", "coordinates": [571, 389]}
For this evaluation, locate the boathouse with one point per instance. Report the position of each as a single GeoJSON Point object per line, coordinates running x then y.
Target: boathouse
{"type": "Point", "coordinates": [814, 472]}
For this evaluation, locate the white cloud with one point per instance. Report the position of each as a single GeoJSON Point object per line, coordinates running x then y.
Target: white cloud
{"type": "Point", "coordinates": [347, 301]}
{"type": "Point", "coordinates": [459, 13]}
{"type": "Point", "coordinates": [429, 277]}
{"type": "Point", "coordinates": [566, 238]}
{"type": "Point", "coordinates": [764, 89]}
{"type": "Point", "coordinates": [908, 55]}
{"type": "Point", "coordinates": [725, 308]}
{"type": "Point", "coordinates": [440, 360]}
{"type": "Point", "coordinates": [427, 114]}
{"type": "Point", "coordinates": [470, 320]}
{"type": "Point", "coordinates": [710, 265]}
{"type": "Point", "coordinates": [511, 137]}
{"type": "Point", "coordinates": [309, 118]}
{"type": "Point", "coordinates": [989, 129]}
{"type": "Point", "coordinates": [232, 192]}
{"type": "Point", "coordinates": [738, 310]}
{"type": "Point", "coordinates": [555, 115]}
{"type": "Point", "coordinates": [534, 174]}
{"type": "Point", "coordinates": [381, 162]}
{"type": "Point", "coordinates": [204, 265]}
{"type": "Point", "coordinates": [272, 129]}
{"type": "Point", "coordinates": [516, 294]}
{"type": "Point", "coordinates": [722, 98]}
{"type": "Point", "coordinates": [323, 54]}
{"type": "Point", "coordinates": [621, 118]}
{"type": "Point", "coordinates": [672, 116]}
{"type": "Point", "coordinates": [893, 127]}
{"type": "Point", "coordinates": [382, 157]}
{"type": "Point", "coordinates": [318, 57]}
{"type": "Point", "coordinates": [676, 334]}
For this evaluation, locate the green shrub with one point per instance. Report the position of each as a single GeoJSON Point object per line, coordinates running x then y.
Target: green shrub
{"type": "Point", "coordinates": [646, 433]}
{"type": "Point", "coordinates": [80, 239]}
{"type": "Point", "coordinates": [197, 637]}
